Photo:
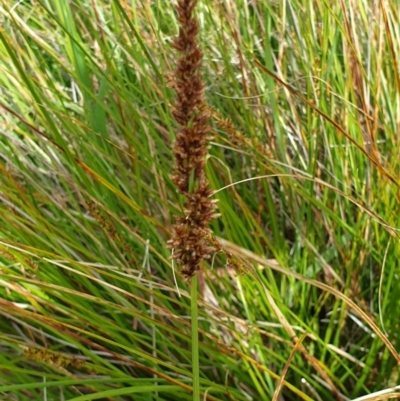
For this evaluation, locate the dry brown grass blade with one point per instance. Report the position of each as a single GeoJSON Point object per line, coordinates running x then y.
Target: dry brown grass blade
{"type": "Point", "coordinates": [286, 367]}
{"type": "Point", "coordinates": [30, 126]}
{"type": "Point", "coordinates": [250, 256]}
{"type": "Point", "coordinates": [383, 8]}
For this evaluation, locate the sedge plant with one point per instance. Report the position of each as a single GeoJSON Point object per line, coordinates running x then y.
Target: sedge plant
{"type": "Point", "coordinates": [118, 138]}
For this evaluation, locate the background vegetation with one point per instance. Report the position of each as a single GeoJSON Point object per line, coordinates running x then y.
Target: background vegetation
{"type": "Point", "coordinates": [305, 100]}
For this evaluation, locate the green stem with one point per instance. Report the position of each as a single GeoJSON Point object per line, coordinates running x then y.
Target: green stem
{"type": "Point", "coordinates": [195, 342]}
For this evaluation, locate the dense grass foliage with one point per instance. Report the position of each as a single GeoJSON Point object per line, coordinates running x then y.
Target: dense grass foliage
{"type": "Point", "coordinates": [304, 98]}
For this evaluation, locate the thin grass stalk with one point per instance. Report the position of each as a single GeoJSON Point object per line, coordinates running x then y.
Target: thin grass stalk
{"type": "Point", "coordinates": [195, 341]}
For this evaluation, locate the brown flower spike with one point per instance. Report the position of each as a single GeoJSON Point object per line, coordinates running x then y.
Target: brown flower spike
{"type": "Point", "coordinates": [190, 239]}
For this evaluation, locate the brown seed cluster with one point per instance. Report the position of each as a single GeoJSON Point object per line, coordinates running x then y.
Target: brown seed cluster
{"type": "Point", "coordinates": [108, 226]}
{"type": "Point", "coordinates": [190, 236]}
{"type": "Point", "coordinates": [52, 358]}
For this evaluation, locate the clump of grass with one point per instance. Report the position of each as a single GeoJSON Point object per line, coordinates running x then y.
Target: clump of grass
{"type": "Point", "coordinates": [302, 99]}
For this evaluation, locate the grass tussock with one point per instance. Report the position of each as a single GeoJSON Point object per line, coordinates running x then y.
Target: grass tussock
{"type": "Point", "coordinates": [123, 124]}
